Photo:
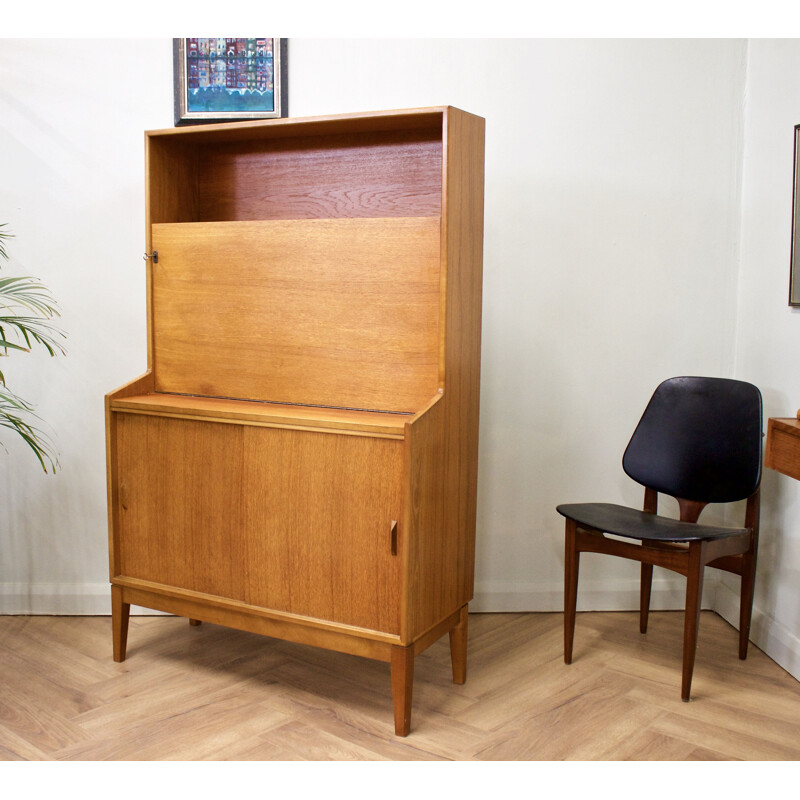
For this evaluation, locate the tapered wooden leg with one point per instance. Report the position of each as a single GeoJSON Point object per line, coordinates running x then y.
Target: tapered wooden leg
{"type": "Point", "coordinates": [195, 622]}
{"type": "Point", "coordinates": [120, 615]}
{"type": "Point", "coordinates": [571, 565]}
{"type": "Point", "coordinates": [402, 667]}
{"type": "Point", "coordinates": [746, 602]}
{"type": "Point", "coordinates": [694, 594]}
{"type": "Point", "coordinates": [458, 648]}
{"type": "Point", "coordinates": [644, 596]}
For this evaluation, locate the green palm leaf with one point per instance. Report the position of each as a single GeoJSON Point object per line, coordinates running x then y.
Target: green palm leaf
{"type": "Point", "coordinates": [13, 413]}
{"type": "Point", "coordinates": [26, 312]}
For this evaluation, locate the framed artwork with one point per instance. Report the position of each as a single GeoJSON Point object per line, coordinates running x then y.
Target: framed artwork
{"type": "Point", "coordinates": [225, 79]}
{"type": "Point", "coordinates": [794, 269]}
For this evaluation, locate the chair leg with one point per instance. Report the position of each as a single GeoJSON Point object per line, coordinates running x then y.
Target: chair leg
{"type": "Point", "coordinates": [746, 602]}
{"type": "Point", "coordinates": [694, 594]}
{"type": "Point", "coordinates": [571, 564]}
{"type": "Point", "coordinates": [644, 596]}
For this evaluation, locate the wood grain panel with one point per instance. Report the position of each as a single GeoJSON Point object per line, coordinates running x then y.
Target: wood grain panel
{"type": "Point", "coordinates": [142, 384]}
{"type": "Point", "coordinates": [199, 608]}
{"type": "Point", "coordinates": [387, 174]}
{"type": "Point", "coordinates": [442, 449]}
{"type": "Point", "coordinates": [171, 186]}
{"type": "Point", "coordinates": [294, 521]}
{"type": "Point", "coordinates": [783, 446]}
{"type": "Point", "coordinates": [430, 586]}
{"type": "Point", "coordinates": [318, 512]}
{"type": "Point", "coordinates": [463, 265]}
{"type": "Point", "coordinates": [180, 500]}
{"type": "Point", "coordinates": [317, 312]}
{"type": "Point", "coordinates": [246, 412]}
{"type": "Point", "coordinates": [360, 122]}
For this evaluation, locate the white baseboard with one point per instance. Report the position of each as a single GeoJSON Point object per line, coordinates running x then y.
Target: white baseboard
{"type": "Point", "coordinates": [668, 593]}
{"type": "Point", "coordinates": [59, 599]}
{"type": "Point", "coordinates": [490, 597]}
{"type": "Point", "coordinates": [780, 644]}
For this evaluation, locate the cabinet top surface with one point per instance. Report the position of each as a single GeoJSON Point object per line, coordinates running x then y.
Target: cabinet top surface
{"type": "Point", "coordinates": [790, 425]}
{"type": "Point", "coordinates": [377, 120]}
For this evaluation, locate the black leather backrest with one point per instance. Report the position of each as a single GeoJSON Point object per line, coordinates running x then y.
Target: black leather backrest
{"type": "Point", "coordinates": [699, 439]}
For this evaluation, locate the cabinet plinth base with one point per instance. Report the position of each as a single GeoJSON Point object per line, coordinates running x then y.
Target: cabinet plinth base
{"type": "Point", "coordinates": [387, 649]}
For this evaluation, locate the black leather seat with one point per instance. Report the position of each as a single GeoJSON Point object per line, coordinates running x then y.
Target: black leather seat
{"type": "Point", "coordinates": [699, 440]}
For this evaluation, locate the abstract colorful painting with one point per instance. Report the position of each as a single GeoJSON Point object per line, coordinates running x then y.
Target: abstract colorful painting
{"type": "Point", "coordinates": [218, 79]}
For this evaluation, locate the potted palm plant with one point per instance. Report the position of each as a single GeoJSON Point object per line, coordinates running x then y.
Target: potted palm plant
{"type": "Point", "coordinates": [27, 310]}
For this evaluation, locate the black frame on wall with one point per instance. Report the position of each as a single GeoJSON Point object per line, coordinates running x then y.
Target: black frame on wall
{"type": "Point", "coordinates": [794, 269]}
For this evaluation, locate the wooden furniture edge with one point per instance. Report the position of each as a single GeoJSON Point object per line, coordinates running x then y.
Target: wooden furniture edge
{"type": "Point", "coordinates": [782, 427]}
{"type": "Point", "coordinates": [463, 210]}
{"type": "Point", "coordinates": [276, 624]}
{"type": "Point", "coordinates": [141, 385]}
{"type": "Point", "coordinates": [144, 383]}
{"type": "Point", "coordinates": [437, 398]}
{"type": "Point", "coordinates": [790, 425]}
{"type": "Point", "coordinates": [449, 461]}
{"type": "Point", "coordinates": [423, 464]}
{"type": "Point", "coordinates": [279, 625]}
{"type": "Point", "coordinates": [266, 414]}
{"type": "Point", "coordinates": [361, 120]}
{"type": "Point", "coordinates": [433, 634]}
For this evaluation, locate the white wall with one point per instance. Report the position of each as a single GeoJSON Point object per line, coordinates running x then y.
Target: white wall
{"type": "Point", "coordinates": [612, 172]}
{"type": "Point", "coordinates": [72, 115]}
{"type": "Point", "coordinates": [768, 331]}
{"type": "Point", "coordinates": [613, 181]}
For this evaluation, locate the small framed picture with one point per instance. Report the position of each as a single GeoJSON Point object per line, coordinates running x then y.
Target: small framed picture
{"type": "Point", "coordinates": [224, 79]}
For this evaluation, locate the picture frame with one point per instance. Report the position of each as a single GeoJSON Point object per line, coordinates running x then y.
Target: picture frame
{"type": "Point", "coordinates": [794, 268]}
{"type": "Point", "coordinates": [227, 79]}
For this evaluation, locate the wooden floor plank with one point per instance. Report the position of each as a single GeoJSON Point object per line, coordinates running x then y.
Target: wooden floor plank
{"type": "Point", "coordinates": [14, 747]}
{"type": "Point", "coordinates": [735, 745]}
{"type": "Point", "coordinates": [36, 723]}
{"type": "Point", "coordinates": [190, 693]}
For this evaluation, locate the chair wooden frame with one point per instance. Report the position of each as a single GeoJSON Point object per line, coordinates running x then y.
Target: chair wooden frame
{"type": "Point", "coordinates": [736, 554]}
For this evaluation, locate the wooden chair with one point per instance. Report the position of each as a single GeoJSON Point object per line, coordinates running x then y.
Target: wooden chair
{"type": "Point", "coordinates": [699, 440]}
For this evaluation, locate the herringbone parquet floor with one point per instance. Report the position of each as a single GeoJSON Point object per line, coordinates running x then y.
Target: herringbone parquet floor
{"type": "Point", "coordinates": [209, 693]}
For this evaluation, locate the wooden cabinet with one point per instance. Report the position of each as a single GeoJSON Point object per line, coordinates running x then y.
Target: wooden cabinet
{"type": "Point", "coordinates": [783, 446]}
{"type": "Point", "coordinates": [300, 458]}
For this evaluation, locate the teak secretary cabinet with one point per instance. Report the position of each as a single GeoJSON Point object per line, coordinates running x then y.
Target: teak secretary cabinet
{"type": "Point", "coordinates": [300, 458]}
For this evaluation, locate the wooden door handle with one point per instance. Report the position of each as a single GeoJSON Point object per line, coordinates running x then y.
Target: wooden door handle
{"type": "Point", "coordinates": [394, 537]}
{"type": "Point", "coordinates": [123, 495]}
